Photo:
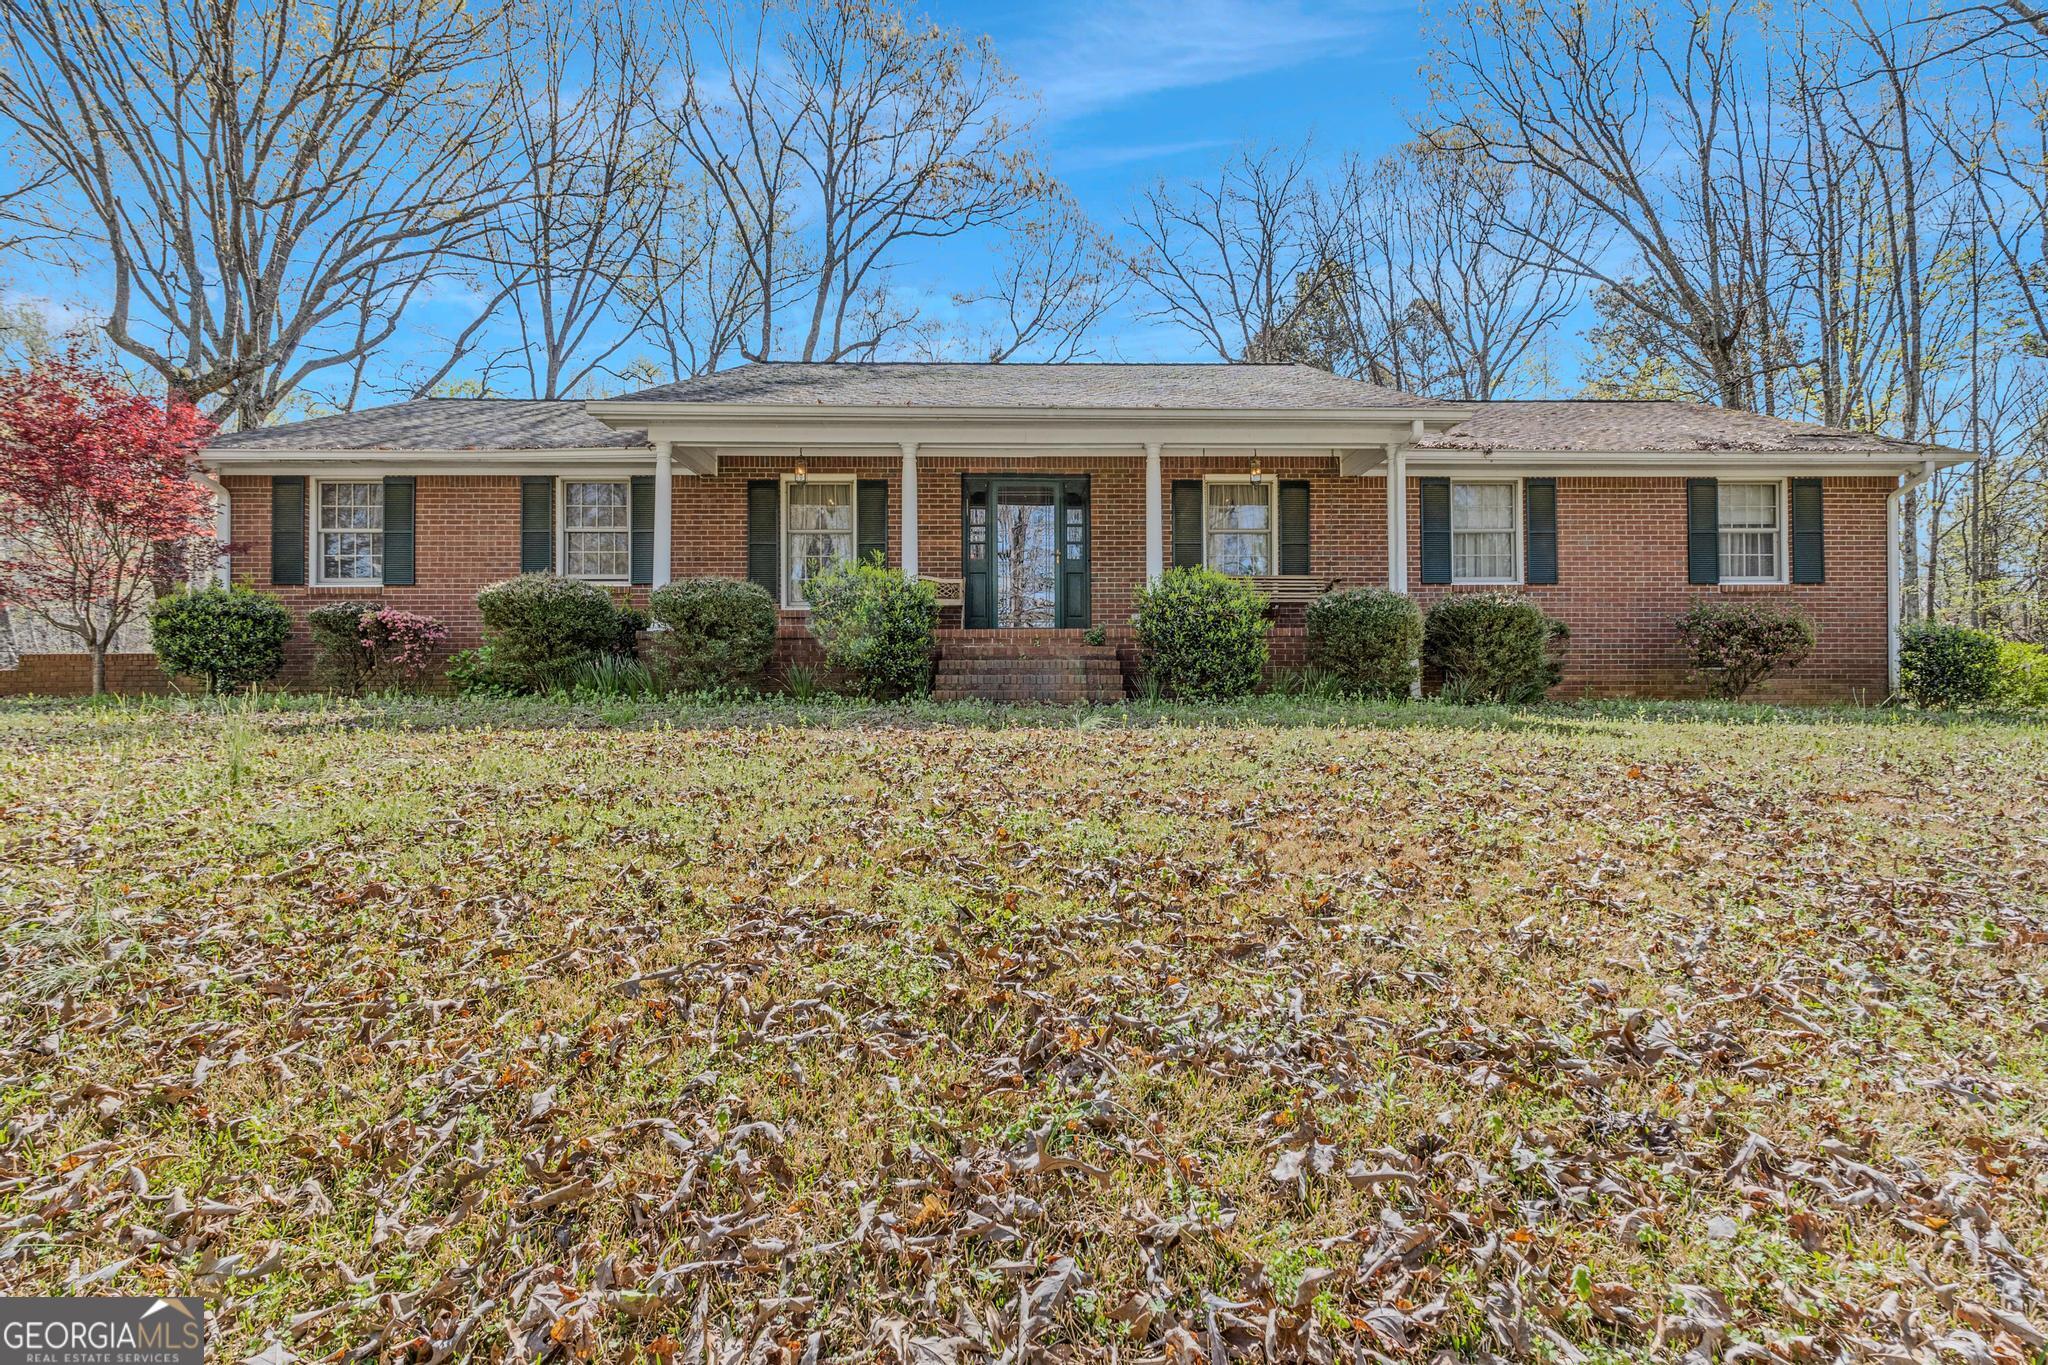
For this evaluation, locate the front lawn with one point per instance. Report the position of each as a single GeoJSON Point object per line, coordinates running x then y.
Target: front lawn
{"type": "Point", "coordinates": [445, 1030]}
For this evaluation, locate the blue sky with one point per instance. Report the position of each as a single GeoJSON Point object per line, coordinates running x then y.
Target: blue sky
{"type": "Point", "coordinates": [1135, 90]}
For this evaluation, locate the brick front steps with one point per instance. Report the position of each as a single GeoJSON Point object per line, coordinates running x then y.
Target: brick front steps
{"type": "Point", "coordinates": [1024, 665]}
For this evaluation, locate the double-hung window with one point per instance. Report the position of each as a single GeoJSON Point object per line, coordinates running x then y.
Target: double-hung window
{"type": "Point", "coordinates": [597, 529]}
{"type": "Point", "coordinates": [1752, 532]}
{"type": "Point", "coordinates": [1483, 532]}
{"type": "Point", "coordinates": [1237, 526]}
{"type": "Point", "coordinates": [349, 532]}
{"type": "Point", "coordinates": [817, 531]}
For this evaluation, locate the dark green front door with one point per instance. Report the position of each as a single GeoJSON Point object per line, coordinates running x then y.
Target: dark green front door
{"type": "Point", "coordinates": [1025, 552]}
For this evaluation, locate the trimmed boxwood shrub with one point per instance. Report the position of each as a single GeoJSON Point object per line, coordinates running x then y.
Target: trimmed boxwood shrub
{"type": "Point", "coordinates": [1946, 666]}
{"type": "Point", "coordinates": [1736, 645]}
{"type": "Point", "coordinates": [1493, 647]}
{"type": "Point", "coordinates": [538, 627]}
{"type": "Point", "coordinates": [716, 632]}
{"type": "Point", "coordinates": [1368, 639]}
{"type": "Point", "coordinates": [1202, 635]}
{"type": "Point", "coordinates": [877, 627]}
{"type": "Point", "coordinates": [232, 637]}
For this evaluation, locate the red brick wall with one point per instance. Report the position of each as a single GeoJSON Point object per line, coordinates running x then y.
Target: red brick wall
{"type": "Point", "coordinates": [466, 536]}
{"type": "Point", "coordinates": [1621, 555]}
{"type": "Point", "coordinates": [1621, 586]}
{"type": "Point", "coordinates": [70, 675]}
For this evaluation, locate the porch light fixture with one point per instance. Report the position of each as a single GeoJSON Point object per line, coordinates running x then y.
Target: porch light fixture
{"type": "Point", "coordinates": [802, 475]}
{"type": "Point", "coordinates": [1256, 476]}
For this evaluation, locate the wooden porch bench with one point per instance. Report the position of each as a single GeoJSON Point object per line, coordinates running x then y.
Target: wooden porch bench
{"type": "Point", "coordinates": [1291, 589]}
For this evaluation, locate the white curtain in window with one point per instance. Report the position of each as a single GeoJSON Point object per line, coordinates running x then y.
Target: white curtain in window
{"type": "Point", "coordinates": [1749, 530]}
{"type": "Point", "coordinates": [1240, 528]}
{"type": "Point", "coordinates": [819, 525]}
{"type": "Point", "coordinates": [1482, 532]}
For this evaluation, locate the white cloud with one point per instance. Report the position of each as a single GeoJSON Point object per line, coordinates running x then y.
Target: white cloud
{"type": "Point", "coordinates": [1093, 57]}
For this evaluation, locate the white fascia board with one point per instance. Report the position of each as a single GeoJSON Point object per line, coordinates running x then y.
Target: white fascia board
{"type": "Point", "coordinates": [740, 426]}
{"type": "Point", "coordinates": [244, 460]}
{"type": "Point", "coordinates": [1700, 463]}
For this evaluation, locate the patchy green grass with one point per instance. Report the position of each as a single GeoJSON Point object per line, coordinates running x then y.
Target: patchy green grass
{"type": "Point", "coordinates": [419, 1029]}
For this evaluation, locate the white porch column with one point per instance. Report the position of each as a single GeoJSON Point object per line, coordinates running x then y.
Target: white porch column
{"type": "Point", "coordinates": [664, 520]}
{"type": "Point", "coordinates": [223, 524]}
{"type": "Point", "coordinates": [910, 509]}
{"type": "Point", "coordinates": [1397, 518]}
{"type": "Point", "coordinates": [1155, 514]}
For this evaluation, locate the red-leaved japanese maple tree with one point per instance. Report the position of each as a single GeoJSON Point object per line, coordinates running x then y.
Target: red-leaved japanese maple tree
{"type": "Point", "coordinates": [97, 501]}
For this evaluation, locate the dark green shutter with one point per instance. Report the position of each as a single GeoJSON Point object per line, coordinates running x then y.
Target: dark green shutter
{"type": "Point", "coordinates": [1436, 530]}
{"type": "Point", "coordinates": [764, 535]}
{"type": "Point", "coordinates": [640, 502]}
{"type": "Point", "coordinates": [288, 531]}
{"type": "Point", "coordinates": [398, 533]}
{"type": "Point", "coordinates": [1294, 527]}
{"type": "Point", "coordinates": [1072, 548]}
{"type": "Point", "coordinates": [871, 519]}
{"type": "Point", "coordinates": [1539, 534]}
{"type": "Point", "coordinates": [1187, 523]}
{"type": "Point", "coordinates": [1702, 531]}
{"type": "Point", "coordinates": [536, 523]}
{"type": "Point", "coordinates": [1809, 561]}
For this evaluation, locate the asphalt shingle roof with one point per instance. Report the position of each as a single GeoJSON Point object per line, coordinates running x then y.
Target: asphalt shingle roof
{"type": "Point", "coordinates": [445, 424]}
{"type": "Point", "coordinates": [1618, 426]}
{"type": "Point", "coordinates": [884, 384]}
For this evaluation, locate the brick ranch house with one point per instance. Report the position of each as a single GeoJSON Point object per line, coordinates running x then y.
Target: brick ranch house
{"type": "Point", "coordinates": [1039, 497]}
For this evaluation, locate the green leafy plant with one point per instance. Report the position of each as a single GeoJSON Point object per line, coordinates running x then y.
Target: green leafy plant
{"type": "Point", "coordinates": [232, 637]}
{"type": "Point", "coordinates": [540, 627]}
{"type": "Point", "coordinates": [479, 673]}
{"type": "Point", "coordinates": [342, 660]}
{"type": "Point", "coordinates": [715, 632]}
{"type": "Point", "coordinates": [402, 642]}
{"type": "Point", "coordinates": [802, 682]}
{"type": "Point", "coordinates": [2022, 675]}
{"type": "Point", "coordinates": [354, 642]}
{"type": "Point", "coordinates": [1735, 645]}
{"type": "Point", "coordinates": [1493, 647]}
{"type": "Point", "coordinates": [613, 675]}
{"type": "Point", "coordinates": [1368, 639]}
{"type": "Point", "coordinates": [877, 627]}
{"type": "Point", "coordinates": [1097, 636]}
{"type": "Point", "coordinates": [1942, 666]}
{"type": "Point", "coordinates": [1202, 635]}
{"type": "Point", "coordinates": [633, 622]}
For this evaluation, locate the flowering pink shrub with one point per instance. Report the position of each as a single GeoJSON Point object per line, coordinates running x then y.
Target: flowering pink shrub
{"type": "Point", "coordinates": [403, 641]}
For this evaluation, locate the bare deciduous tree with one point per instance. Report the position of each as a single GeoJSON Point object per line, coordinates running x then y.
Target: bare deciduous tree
{"type": "Point", "coordinates": [835, 136]}
{"type": "Point", "coordinates": [265, 187]}
{"type": "Point", "coordinates": [1461, 268]}
{"type": "Point", "coordinates": [1222, 259]}
{"type": "Point", "coordinates": [1055, 277]}
{"type": "Point", "coordinates": [595, 177]}
{"type": "Point", "coordinates": [1648, 118]}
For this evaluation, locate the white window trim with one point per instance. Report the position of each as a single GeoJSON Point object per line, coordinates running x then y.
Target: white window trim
{"type": "Point", "coordinates": [1520, 527]}
{"type": "Point", "coordinates": [1784, 543]}
{"type": "Point", "coordinates": [562, 482]}
{"type": "Point", "coordinates": [852, 481]}
{"type": "Point", "coordinates": [314, 549]}
{"type": "Point", "coordinates": [1272, 519]}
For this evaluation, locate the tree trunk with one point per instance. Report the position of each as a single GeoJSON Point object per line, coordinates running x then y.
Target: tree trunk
{"type": "Point", "coordinates": [1909, 554]}
{"type": "Point", "coordinates": [99, 668]}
